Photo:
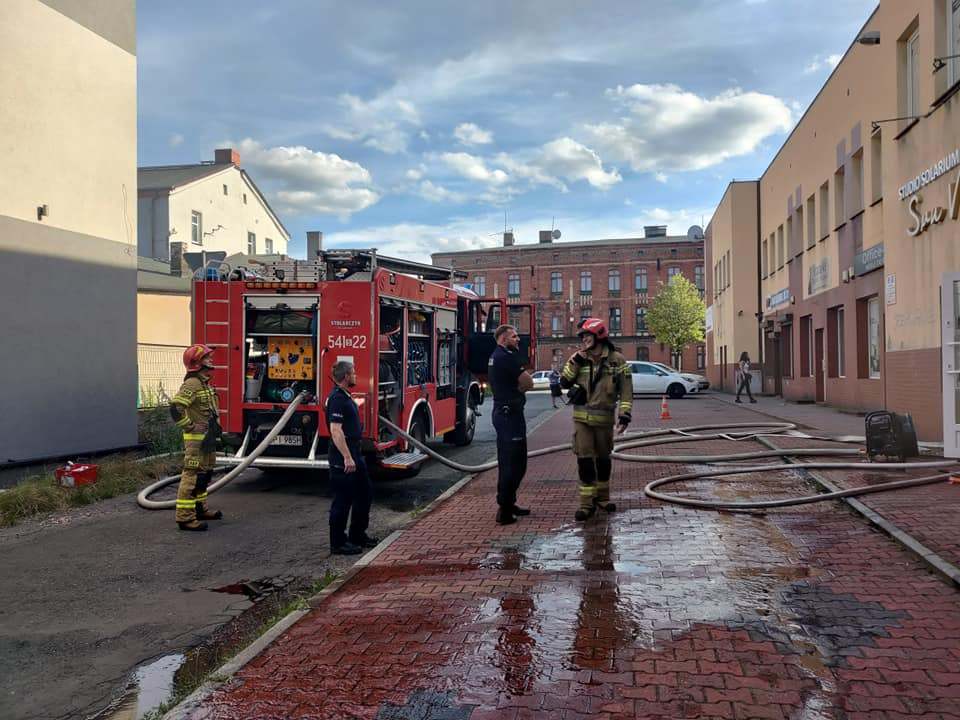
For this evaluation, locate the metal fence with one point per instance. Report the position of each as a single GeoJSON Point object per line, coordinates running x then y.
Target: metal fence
{"type": "Point", "coordinates": [161, 373]}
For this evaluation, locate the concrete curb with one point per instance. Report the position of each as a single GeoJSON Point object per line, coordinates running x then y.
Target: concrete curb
{"type": "Point", "coordinates": [226, 671]}
{"type": "Point", "coordinates": [947, 570]}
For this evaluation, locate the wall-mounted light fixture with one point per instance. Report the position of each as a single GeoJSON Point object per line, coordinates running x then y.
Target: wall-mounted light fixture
{"type": "Point", "coordinates": [871, 37]}
{"type": "Point", "coordinates": [939, 64]}
{"type": "Point", "coordinates": [42, 212]}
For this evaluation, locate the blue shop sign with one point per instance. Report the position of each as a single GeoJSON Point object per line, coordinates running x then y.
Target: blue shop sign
{"type": "Point", "coordinates": [778, 299]}
{"type": "Point", "coordinates": [868, 260]}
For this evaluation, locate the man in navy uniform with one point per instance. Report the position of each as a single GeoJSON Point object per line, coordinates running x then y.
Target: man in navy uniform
{"type": "Point", "coordinates": [352, 488]}
{"type": "Point", "coordinates": [509, 382]}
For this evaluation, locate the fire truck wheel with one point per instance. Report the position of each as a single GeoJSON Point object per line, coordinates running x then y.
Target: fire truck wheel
{"type": "Point", "coordinates": [464, 432]}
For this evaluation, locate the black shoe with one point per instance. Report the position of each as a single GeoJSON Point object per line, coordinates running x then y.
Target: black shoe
{"type": "Point", "coordinates": [210, 515]}
{"type": "Point", "coordinates": [582, 514]}
{"type": "Point", "coordinates": [192, 525]}
{"type": "Point", "coordinates": [348, 548]}
{"type": "Point", "coordinates": [366, 542]}
{"type": "Point", "coordinates": [738, 401]}
{"type": "Point", "coordinates": [517, 510]}
{"type": "Point", "coordinates": [753, 401]}
{"type": "Point", "coordinates": [505, 517]}
{"type": "Point", "coordinates": [605, 505]}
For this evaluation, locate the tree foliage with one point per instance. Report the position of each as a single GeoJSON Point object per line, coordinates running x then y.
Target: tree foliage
{"type": "Point", "coordinates": [677, 314]}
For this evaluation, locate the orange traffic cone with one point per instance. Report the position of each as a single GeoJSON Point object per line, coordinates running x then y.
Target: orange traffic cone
{"type": "Point", "coordinates": [664, 410]}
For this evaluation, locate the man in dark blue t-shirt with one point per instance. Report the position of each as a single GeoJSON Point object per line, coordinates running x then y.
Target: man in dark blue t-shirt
{"type": "Point", "coordinates": [348, 471]}
{"type": "Point", "coordinates": [509, 382]}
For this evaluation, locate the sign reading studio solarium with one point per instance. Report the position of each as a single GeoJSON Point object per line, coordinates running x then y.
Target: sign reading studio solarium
{"type": "Point", "coordinates": [921, 218]}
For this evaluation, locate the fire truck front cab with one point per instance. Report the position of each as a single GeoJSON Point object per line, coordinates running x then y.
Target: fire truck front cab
{"type": "Point", "coordinates": [419, 342]}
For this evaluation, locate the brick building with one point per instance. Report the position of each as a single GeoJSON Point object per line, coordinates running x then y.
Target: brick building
{"type": "Point", "coordinates": [613, 279]}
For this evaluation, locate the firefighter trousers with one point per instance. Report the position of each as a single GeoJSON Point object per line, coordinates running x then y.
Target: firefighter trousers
{"type": "Point", "coordinates": [593, 445]}
{"type": "Point", "coordinates": [511, 430]}
{"type": "Point", "coordinates": [197, 472]}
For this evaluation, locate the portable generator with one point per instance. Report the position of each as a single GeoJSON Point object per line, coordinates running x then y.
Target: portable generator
{"type": "Point", "coordinates": [890, 435]}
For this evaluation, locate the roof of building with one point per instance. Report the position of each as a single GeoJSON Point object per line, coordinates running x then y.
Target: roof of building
{"type": "Point", "coordinates": [168, 177]}
{"type": "Point", "coordinates": [662, 240]}
{"type": "Point", "coordinates": [154, 276]}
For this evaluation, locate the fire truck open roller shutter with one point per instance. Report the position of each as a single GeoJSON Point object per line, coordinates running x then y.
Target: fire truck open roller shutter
{"type": "Point", "coordinates": [292, 302]}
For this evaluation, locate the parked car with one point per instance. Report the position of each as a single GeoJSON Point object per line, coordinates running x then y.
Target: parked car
{"type": "Point", "coordinates": [701, 381]}
{"type": "Point", "coordinates": [650, 378]}
{"type": "Point", "coordinates": [541, 380]}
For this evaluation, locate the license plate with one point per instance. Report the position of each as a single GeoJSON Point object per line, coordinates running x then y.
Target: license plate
{"type": "Point", "coordinates": [287, 440]}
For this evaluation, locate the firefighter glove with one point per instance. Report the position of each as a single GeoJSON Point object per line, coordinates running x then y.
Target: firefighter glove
{"type": "Point", "coordinates": [577, 395]}
{"type": "Point", "coordinates": [624, 419]}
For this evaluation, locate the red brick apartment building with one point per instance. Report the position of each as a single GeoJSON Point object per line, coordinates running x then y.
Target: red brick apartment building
{"type": "Point", "coordinates": [613, 279]}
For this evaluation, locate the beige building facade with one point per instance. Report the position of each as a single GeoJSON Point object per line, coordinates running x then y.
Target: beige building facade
{"type": "Point", "coordinates": [68, 219]}
{"type": "Point", "coordinates": [859, 222]}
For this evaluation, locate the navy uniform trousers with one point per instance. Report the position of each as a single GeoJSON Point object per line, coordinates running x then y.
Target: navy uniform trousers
{"type": "Point", "coordinates": [353, 495]}
{"type": "Point", "coordinates": [511, 453]}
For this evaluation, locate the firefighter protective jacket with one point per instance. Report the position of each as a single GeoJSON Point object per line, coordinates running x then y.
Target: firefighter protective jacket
{"type": "Point", "coordinates": [199, 402]}
{"type": "Point", "coordinates": [608, 383]}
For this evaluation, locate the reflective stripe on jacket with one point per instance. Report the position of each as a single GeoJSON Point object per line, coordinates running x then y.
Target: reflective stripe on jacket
{"type": "Point", "coordinates": [609, 387]}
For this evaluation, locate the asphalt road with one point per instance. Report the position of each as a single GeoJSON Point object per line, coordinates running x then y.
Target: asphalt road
{"type": "Point", "coordinates": [89, 595]}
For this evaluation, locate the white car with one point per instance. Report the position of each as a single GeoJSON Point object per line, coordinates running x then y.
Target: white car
{"type": "Point", "coordinates": [701, 381]}
{"type": "Point", "coordinates": [541, 380]}
{"type": "Point", "coordinates": [650, 379]}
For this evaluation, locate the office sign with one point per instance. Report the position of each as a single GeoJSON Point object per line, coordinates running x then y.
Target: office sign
{"type": "Point", "coordinates": [778, 298]}
{"type": "Point", "coordinates": [818, 277]}
{"type": "Point", "coordinates": [869, 260]}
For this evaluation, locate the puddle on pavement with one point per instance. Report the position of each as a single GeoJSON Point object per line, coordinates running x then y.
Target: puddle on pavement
{"type": "Point", "coordinates": [150, 686]}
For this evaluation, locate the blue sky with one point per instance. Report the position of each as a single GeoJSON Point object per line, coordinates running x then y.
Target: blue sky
{"type": "Point", "coordinates": [415, 126]}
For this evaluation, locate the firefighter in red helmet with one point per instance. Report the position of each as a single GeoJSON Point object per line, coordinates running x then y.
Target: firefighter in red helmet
{"type": "Point", "coordinates": [600, 388]}
{"type": "Point", "coordinates": [194, 409]}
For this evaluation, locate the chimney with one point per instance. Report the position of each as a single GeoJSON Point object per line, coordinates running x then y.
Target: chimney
{"type": "Point", "coordinates": [176, 259]}
{"type": "Point", "coordinates": [546, 236]}
{"type": "Point", "coordinates": [314, 244]}
{"type": "Point", "coordinates": [652, 231]}
{"type": "Point", "coordinates": [507, 239]}
{"type": "Point", "coordinates": [226, 156]}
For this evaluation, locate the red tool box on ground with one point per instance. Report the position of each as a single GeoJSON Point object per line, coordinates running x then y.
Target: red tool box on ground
{"type": "Point", "coordinates": [72, 475]}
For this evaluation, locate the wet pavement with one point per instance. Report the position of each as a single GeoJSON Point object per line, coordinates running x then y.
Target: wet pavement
{"type": "Point", "coordinates": [654, 611]}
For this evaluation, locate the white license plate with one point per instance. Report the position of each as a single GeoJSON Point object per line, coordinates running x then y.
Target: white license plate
{"type": "Point", "coordinates": [287, 440]}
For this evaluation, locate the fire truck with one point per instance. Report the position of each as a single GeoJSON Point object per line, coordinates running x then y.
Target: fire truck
{"type": "Point", "coordinates": [420, 343]}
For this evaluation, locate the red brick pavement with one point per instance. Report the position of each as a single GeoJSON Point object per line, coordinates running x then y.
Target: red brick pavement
{"type": "Point", "coordinates": [652, 612]}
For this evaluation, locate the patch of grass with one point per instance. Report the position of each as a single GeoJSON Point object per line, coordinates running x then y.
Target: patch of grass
{"type": "Point", "coordinates": [158, 431]}
{"type": "Point", "coordinates": [119, 475]}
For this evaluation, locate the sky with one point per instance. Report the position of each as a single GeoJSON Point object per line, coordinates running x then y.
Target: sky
{"type": "Point", "coordinates": [419, 127]}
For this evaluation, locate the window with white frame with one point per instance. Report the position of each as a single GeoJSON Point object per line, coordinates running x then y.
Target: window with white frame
{"type": "Point", "coordinates": [586, 282]}
{"type": "Point", "coordinates": [672, 271]}
{"type": "Point", "coordinates": [841, 367]}
{"type": "Point", "coordinates": [911, 76]}
{"type": "Point", "coordinates": [873, 337]}
{"type": "Point", "coordinates": [556, 283]}
{"type": "Point", "coordinates": [613, 281]}
{"type": "Point", "coordinates": [701, 357]}
{"type": "Point", "coordinates": [763, 260]}
{"type": "Point", "coordinates": [641, 321]}
{"type": "Point", "coordinates": [196, 228]}
{"type": "Point", "coordinates": [268, 246]}
{"type": "Point", "coordinates": [698, 276]}
{"type": "Point", "coordinates": [555, 325]}
{"type": "Point", "coordinates": [480, 285]}
{"type": "Point", "coordinates": [616, 326]}
{"type": "Point", "coordinates": [513, 285]}
{"type": "Point", "coordinates": [953, 40]}
{"type": "Point", "coordinates": [251, 243]}
{"type": "Point", "coordinates": [640, 280]}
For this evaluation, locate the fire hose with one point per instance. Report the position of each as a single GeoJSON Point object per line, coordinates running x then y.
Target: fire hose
{"type": "Point", "coordinates": [649, 438]}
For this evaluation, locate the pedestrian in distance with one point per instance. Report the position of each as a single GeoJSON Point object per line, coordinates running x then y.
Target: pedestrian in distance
{"type": "Point", "coordinates": [352, 488]}
{"type": "Point", "coordinates": [509, 382]}
{"type": "Point", "coordinates": [555, 386]}
{"type": "Point", "coordinates": [600, 388]}
{"type": "Point", "coordinates": [195, 411]}
{"type": "Point", "coordinates": [744, 376]}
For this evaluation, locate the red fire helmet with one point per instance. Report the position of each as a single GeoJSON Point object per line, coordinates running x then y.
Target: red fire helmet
{"type": "Point", "coordinates": [594, 326]}
{"type": "Point", "coordinates": [197, 357]}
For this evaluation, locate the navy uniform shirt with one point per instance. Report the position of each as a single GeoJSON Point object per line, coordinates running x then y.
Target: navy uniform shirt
{"type": "Point", "coordinates": [505, 368]}
{"type": "Point", "coordinates": [342, 409]}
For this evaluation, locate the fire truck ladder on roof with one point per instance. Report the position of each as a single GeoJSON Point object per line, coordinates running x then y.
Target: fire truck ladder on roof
{"type": "Point", "coordinates": [373, 260]}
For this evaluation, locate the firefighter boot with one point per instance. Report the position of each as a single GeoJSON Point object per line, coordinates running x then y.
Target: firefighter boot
{"type": "Point", "coordinates": [588, 477]}
{"type": "Point", "coordinates": [203, 481]}
{"type": "Point", "coordinates": [195, 525]}
{"type": "Point", "coordinates": [602, 499]}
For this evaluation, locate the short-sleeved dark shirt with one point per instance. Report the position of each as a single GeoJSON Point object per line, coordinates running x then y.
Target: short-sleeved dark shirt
{"type": "Point", "coordinates": [505, 368]}
{"type": "Point", "coordinates": [341, 408]}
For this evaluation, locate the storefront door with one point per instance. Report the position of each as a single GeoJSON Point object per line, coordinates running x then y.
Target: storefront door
{"type": "Point", "coordinates": [950, 343]}
{"type": "Point", "coordinates": [818, 363]}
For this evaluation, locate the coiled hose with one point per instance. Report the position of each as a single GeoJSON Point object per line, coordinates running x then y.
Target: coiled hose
{"type": "Point", "coordinates": [143, 498]}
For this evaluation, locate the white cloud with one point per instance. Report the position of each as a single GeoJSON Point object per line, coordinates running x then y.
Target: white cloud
{"type": "Point", "coordinates": [572, 161]}
{"type": "Point", "coordinates": [660, 178]}
{"type": "Point", "coordinates": [304, 180]}
{"type": "Point", "coordinates": [669, 128]}
{"type": "Point", "coordinates": [414, 174]}
{"type": "Point", "coordinates": [470, 134]}
{"type": "Point", "coordinates": [472, 167]}
{"type": "Point", "coordinates": [383, 123]}
{"type": "Point", "coordinates": [561, 95]}
{"type": "Point", "coordinates": [821, 62]}
{"type": "Point", "coordinates": [175, 140]}
{"type": "Point", "coordinates": [438, 193]}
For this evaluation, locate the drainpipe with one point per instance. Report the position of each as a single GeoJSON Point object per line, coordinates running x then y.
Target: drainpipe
{"type": "Point", "coordinates": [760, 345]}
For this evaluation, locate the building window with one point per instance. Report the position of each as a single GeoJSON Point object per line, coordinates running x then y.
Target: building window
{"type": "Point", "coordinates": [643, 353]}
{"type": "Point", "coordinates": [953, 40]}
{"type": "Point", "coordinates": [811, 225]}
{"type": "Point", "coordinates": [806, 346]}
{"type": "Point", "coordinates": [825, 211]}
{"type": "Point", "coordinates": [786, 348]}
{"type": "Point", "coordinates": [698, 276]}
{"type": "Point", "coordinates": [225, 190]}
{"type": "Point", "coordinates": [911, 76]}
{"type": "Point", "coordinates": [640, 281]}
{"type": "Point", "coordinates": [586, 283]}
{"type": "Point", "coordinates": [856, 182]}
{"type": "Point", "coordinates": [763, 259]}
{"type": "Point", "coordinates": [556, 283]}
{"type": "Point", "coordinates": [791, 239]}
{"type": "Point", "coordinates": [268, 246]}
{"type": "Point", "coordinates": [513, 285]}
{"type": "Point", "coordinates": [196, 228]}
{"type": "Point", "coordinates": [480, 285]}
{"type": "Point", "coordinates": [835, 342]}
{"type": "Point", "coordinates": [839, 205]}
{"type": "Point", "coordinates": [251, 243]}
{"type": "Point", "coordinates": [781, 251]}
{"type": "Point", "coordinates": [555, 325]}
{"type": "Point", "coordinates": [585, 313]}
{"type": "Point", "coordinates": [876, 166]}
{"type": "Point", "coordinates": [616, 326]}
{"type": "Point", "coordinates": [244, 198]}
{"type": "Point", "coordinates": [674, 270]}
{"type": "Point", "coordinates": [841, 345]}
{"type": "Point", "coordinates": [613, 281]}
{"type": "Point", "coordinates": [701, 357]}
{"type": "Point", "coordinates": [641, 321]}
{"type": "Point", "coordinates": [868, 338]}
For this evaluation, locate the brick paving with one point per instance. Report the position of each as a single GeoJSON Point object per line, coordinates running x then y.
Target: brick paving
{"type": "Point", "coordinates": [652, 612]}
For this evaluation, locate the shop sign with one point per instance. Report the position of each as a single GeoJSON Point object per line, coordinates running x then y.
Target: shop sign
{"type": "Point", "coordinates": [891, 293]}
{"type": "Point", "coordinates": [708, 319]}
{"type": "Point", "coordinates": [868, 260]}
{"type": "Point", "coordinates": [778, 298]}
{"type": "Point", "coordinates": [914, 185]}
{"type": "Point", "coordinates": [927, 218]}
{"type": "Point", "coordinates": [818, 277]}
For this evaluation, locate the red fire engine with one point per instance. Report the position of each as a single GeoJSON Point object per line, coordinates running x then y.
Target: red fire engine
{"type": "Point", "coordinates": [420, 344]}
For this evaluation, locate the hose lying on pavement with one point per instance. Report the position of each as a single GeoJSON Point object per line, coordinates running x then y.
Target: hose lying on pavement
{"type": "Point", "coordinates": [144, 501]}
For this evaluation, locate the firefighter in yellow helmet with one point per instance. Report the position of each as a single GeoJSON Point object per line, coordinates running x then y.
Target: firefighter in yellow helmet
{"type": "Point", "coordinates": [601, 391]}
{"type": "Point", "coordinates": [194, 409]}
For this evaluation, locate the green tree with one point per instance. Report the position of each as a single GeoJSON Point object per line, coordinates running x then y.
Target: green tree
{"type": "Point", "coordinates": [677, 314]}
